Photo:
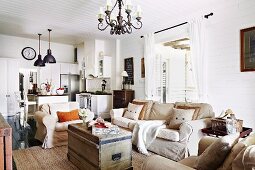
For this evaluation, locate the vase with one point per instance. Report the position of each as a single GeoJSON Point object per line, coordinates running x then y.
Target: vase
{"type": "Point", "coordinates": [84, 122]}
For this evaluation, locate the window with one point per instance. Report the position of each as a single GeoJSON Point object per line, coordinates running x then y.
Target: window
{"type": "Point", "coordinates": [174, 76]}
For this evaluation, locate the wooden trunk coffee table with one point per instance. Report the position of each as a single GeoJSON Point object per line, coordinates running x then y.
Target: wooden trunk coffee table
{"type": "Point", "coordinates": [93, 152]}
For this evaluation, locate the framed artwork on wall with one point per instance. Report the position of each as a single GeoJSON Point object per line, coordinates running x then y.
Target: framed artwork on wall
{"type": "Point", "coordinates": [129, 68]}
{"type": "Point", "coordinates": [247, 38]}
{"type": "Point", "coordinates": [142, 68]}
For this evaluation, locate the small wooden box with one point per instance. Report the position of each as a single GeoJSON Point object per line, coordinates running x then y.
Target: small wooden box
{"type": "Point", "coordinates": [219, 124]}
{"type": "Point", "coordinates": [104, 152]}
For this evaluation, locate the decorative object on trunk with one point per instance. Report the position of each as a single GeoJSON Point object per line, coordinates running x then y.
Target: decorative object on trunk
{"type": "Point", "coordinates": [114, 18]}
{"type": "Point", "coordinates": [86, 115]}
{"type": "Point", "coordinates": [49, 57]}
{"type": "Point", "coordinates": [247, 49]}
{"type": "Point", "coordinates": [39, 62]}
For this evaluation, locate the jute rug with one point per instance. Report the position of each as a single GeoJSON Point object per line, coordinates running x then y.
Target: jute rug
{"type": "Point", "coordinates": [36, 158]}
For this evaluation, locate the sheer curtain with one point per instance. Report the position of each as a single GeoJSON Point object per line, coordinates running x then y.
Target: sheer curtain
{"type": "Point", "coordinates": [149, 58]}
{"type": "Point", "coordinates": [198, 57]}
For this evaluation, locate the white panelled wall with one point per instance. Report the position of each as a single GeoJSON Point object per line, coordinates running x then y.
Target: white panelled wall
{"type": "Point", "coordinates": [227, 86]}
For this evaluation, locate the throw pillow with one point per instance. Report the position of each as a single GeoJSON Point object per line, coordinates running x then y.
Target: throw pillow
{"type": "Point", "coordinates": [161, 111]}
{"type": "Point", "coordinates": [216, 153]}
{"type": "Point", "coordinates": [133, 111]}
{"type": "Point", "coordinates": [144, 109]}
{"type": "Point", "coordinates": [197, 109]}
{"type": "Point", "coordinates": [180, 116]}
{"type": "Point", "coordinates": [68, 116]}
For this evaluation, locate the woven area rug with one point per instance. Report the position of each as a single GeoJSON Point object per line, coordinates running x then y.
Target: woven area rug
{"type": "Point", "coordinates": [36, 158]}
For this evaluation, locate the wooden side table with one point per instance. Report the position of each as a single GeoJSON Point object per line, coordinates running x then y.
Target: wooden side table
{"type": "Point", "coordinates": [245, 132]}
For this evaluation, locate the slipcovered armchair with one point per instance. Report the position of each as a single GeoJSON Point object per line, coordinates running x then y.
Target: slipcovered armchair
{"type": "Point", "coordinates": [49, 130]}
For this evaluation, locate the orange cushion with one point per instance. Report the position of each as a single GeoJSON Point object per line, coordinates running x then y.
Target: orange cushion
{"type": "Point", "coordinates": [68, 116]}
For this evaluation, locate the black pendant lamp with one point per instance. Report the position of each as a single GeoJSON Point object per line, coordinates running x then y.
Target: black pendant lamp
{"type": "Point", "coordinates": [49, 57]}
{"type": "Point", "coordinates": [39, 62]}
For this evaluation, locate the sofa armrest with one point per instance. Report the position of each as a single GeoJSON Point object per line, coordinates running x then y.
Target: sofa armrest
{"type": "Point", "coordinates": [197, 134]}
{"type": "Point", "coordinates": [162, 163]}
{"type": "Point", "coordinates": [117, 112]}
{"type": "Point", "coordinates": [185, 132]}
{"type": "Point", "coordinates": [204, 143]}
{"type": "Point", "coordinates": [39, 115]}
{"type": "Point", "coordinates": [49, 122]}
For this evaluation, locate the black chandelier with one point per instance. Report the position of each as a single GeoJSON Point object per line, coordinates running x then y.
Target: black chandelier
{"type": "Point", "coordinates": [118, 24]}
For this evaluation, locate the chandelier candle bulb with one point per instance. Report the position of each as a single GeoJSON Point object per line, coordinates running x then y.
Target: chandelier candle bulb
{"type": "Point", "coordinates": [101, 11]}
{"type": "Point", "coordinates": [108, 5]}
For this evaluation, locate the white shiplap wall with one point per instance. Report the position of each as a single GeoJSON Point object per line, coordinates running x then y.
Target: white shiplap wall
{"type": "Point", "coordinates": [227, 86]}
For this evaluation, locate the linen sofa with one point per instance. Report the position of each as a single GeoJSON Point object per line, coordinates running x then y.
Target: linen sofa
{"type": "Point", "coordinates": [241, 156]}
{"type": "Point", "coordinates": [176, 143]}
{"type": "Point", "coordinates": [49, 130]}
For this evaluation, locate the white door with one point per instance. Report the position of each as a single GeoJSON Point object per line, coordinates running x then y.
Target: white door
{"type": "Point", "coordinates": [3, 87]}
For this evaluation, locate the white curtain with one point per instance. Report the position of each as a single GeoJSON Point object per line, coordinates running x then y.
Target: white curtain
{"type": "Point", "coordinates": [198, 57]}
{"type": "Point", "coordinates": [149, 58]}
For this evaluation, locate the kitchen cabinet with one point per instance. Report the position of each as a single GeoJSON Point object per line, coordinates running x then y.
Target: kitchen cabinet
{"type": "Point", "coordinates": [101, 105]}
{"type": "Point", "coordinates": [68, 68]}
{"type": "Point", "coordinates": [105, 66]}
{"type": "Point", "coordinates": [121, 98]}
{"type": "Point", "coordinates": [50, 73]}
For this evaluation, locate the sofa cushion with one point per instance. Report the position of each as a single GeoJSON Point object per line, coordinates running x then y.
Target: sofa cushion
{"type": "Point", "coordinates": [62, 107]}
{"type": "Point", "coordinates": [206, 110]}
{"type": "Point", "coordinates": [133, 111]}
{"type": "Point", "coordinates": [250, 140]}
{"type": "Point", "coordinates": [180, 116]}
{"type": "Point", "coordinates": [189, 161]}
{"type": "Point", "coordinates": [63, 126]}
{"type": "Point", "coordinates": [169, 134]}
{"type": "Point", "coordinates": [216, 153]}
{"type": "Point", "coordinates": [68, 116]}
{"type": "Point", "coordinates": [123, 122]}
{"type": "Point", "coordinates": [197, 109]}
{"type": "Point", "coordinates": [147, 104]}
{"type": "Point", "coordinates": [73, 105]}
{"type": "Point", "coordinates": [160, 111]}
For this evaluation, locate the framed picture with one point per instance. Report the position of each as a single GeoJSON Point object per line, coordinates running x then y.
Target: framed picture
{"type": "Point", "coordinates": [247, 37]}
{"type": "Point", "coordinates": [129, 68]}
{"type": "Point", "coordinates": [142, 68]}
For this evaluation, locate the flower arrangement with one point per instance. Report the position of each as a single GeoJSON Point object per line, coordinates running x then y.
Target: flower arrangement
{"type": "Point", "coordinates": [86, 115]}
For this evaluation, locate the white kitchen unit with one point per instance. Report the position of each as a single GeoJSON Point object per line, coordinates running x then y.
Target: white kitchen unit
{"type": "Point", "coordinates": [42, 99]}
{"type": "Point", "coordinates": [50, 73]}
{"type": "Point", "coordinates": [9, 78]}
{"type": "Point", "coordinates": [93, 49]}
{"type": "Point", "coordinates": [101, 105]}
{"type": "Point", "coordinates": [68, 68]}
{"type": "Point", "coordinates": [105, 67]}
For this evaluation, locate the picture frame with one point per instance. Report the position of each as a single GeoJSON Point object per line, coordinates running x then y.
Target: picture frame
{"type": "Point", "coordinates": [142, 68]}
{"type": "Point", "coordinates": [247, 42]}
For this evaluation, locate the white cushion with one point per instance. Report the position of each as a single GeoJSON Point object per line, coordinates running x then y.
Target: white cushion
{"type": "Point", "coordinates": [63, 126]}
{"type": "Point", "coordinates": [62, 107]}
{"type": "Point", "coordinates": [133, 111]}
{"type": "Point", "coordinates": [169, 134]}
{"type": "Point", "coordinates": [123, 122]}
{"type": "Point", "coordinates": [160, 111]}
{"type": "Point", "coordinates": [180, 116]}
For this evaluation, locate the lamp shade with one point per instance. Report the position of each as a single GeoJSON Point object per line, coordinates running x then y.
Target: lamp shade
{"type": "Point", "coordinates": [49, 57]}
{"type": "Point", "coordinates": [124, 74]}
{"type": "Point", "coordinates": [39, 62]}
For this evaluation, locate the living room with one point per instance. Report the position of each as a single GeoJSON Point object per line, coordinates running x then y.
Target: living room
{"type": "Point", "coordinates": [216, 32]}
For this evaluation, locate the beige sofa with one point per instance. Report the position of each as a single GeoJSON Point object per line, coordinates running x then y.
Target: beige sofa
{"type": "Point", "coordinates": [241, 157]}
{"type": "Point", "coordinates": [176, 142]}
{"type": "Point", "coordinates": [49, 130]}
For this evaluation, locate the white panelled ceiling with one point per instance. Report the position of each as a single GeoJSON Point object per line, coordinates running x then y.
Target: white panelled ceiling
{"type": "Point", "coordinates": [73, 21]}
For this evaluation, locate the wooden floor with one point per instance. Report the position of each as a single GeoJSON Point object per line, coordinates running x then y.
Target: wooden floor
{"type": "Point", "coordinates": [22, 137]}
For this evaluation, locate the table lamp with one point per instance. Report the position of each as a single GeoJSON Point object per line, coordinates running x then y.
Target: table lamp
{"type": "Point", "coordinates": [124, 74]}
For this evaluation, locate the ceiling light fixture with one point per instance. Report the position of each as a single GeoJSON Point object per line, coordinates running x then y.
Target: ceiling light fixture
{"type": "Point", "coordinates": [39, 62]}
{"type": "Point", "coordinates": [117, 23]}
{"type": "Point", "coordinates": [49, 57]}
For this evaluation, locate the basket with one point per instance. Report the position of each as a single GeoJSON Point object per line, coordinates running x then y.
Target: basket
{"type": "Point", "coordinates": [219, 124]}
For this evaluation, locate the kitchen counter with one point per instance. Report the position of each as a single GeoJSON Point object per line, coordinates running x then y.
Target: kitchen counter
{"type": "Point", "coordinates": [40, 95]}
{"type": "Point", "coordinates": [97, 93]}
{"type": "Point", "coordinates": [41, 99]}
